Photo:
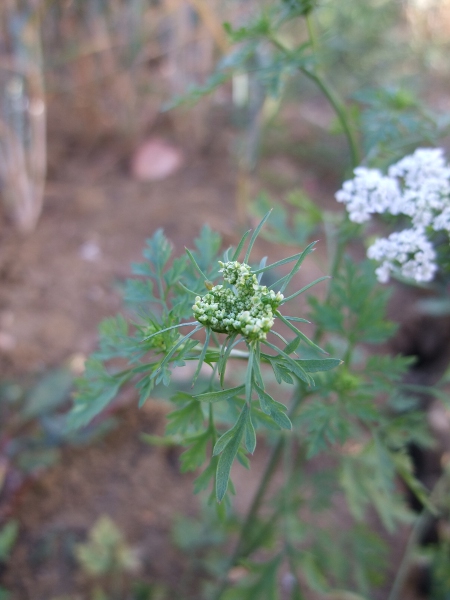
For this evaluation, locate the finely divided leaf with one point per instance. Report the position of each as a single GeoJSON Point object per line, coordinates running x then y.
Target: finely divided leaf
{"type": "Point", "coordinates": [202, 481]}
{"type": "Point", "coordinates": [289, 364]}
{"type": "Point", "coordinates": [318, 365]}
{"type": "Point", "coordinates": [298, 332]}
{"type": "Point", "coordinates": [221, 395]}
{"type": "Point", "coordinates": [226, 438]}
{"type": "Point", "coordinates": [255, 235]}
{"type": "Point", "coordinates": [280, 372]}
{"type": "Point", "coordinates": [249, 434]}
{"type": "Point", "coordinates": [305, 288]}
{"type": "Point", "coordinates": [186, 418]}
{"type": "Point", "coordinates": [194, 457]}
{"type": "Point", "coordinates": [95, 390]}
{"type": "Point", "coordinates": [292, 346]}
{"type": "Point", "coordinates": [158, 250]}
{"type": "Point", "coordinates": [240, 245]}
{"type": "Point", "coordinates": [275, 410]}
{"type": "Point", "coordinates": [223, 357]}
{"type": "Point", "coordinates": [172, 351]}
{"type": "Point", "coordinates": [202, 356]}
{"type": "Point", "coordinates": [195, 265]}
{"type": "Point", "coordinates": [297, 265]}
{"type": "Point", "coordinates": [229, 444]}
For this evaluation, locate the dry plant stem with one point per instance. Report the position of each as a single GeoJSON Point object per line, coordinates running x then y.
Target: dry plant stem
{"type": "Point", "coordinates": [23, 130]}
{"type": "Point", "coordinates": [271, 466]}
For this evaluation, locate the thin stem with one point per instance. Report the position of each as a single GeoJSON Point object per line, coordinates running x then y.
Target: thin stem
{"type": "Point", "coordinates": [333, 99]}
{"type": "Point", "coordinates": [257, 501]}
{"type": "Point", "coordinates": [335, 244]}
{"type": "Point", "coordinates": [292, 567]}
{"type": "Point", "coordinates": [414, 537]}
{"type": "Point", "coordinates": [340, 111]}
{"type": "Point", "coordinates": [252, 512]}
{"type": "Point", "coordinates": [211, 425]}
{"type": "Point", "coordinates": [402, 571]}
{"type": "Point", "coordinates": [335, 250]}
{"type": "Point", "coordinates": [311, 32]}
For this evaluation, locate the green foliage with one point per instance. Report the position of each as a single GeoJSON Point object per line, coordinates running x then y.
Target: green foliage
{"type": "Point", "coordinates": [440, 555]}
{"type": "Point", "coordinates": [370, 474]}
{"type": "Point", "coordinates": [262, 583]}
{"type": "Point", "coordinates": [285, 227]}
{"type": "Point", "coordinates": [352, 411]}
{"type": "Point", "coordinates": [394, 122]}
{"type": "Point", "coordinates": [357, 56]}
{"type": "Point", "coordinates": [355, 307]}
{"type": "Point", "coordinates": [48, 395]}
{"type": "Point", "coordinates": [33, 423]}
{"type": "Point", "coordinates": [153, 345]}
{"type": "Point", "coordinates": [160, 303]}
{"type": "Point", "coordinates": [335, 406]}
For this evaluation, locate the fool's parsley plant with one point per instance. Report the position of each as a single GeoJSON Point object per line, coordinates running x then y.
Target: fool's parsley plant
{"type": "Point", "coordinates": [236, 310]}
{"type": "Point", "coordinates": [418, 188]}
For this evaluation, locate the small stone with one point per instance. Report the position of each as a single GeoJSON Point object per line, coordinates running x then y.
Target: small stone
{"type": "Point", "coordinates": [155, 159]}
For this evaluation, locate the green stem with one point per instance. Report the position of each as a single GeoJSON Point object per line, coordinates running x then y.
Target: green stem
{"type": "Point", "coordinates": [211, 425]}
{"type": "Point", "coordinates": [333, 99]}
{"type": "Point", "coordinates": [335, 244]}
{"type": "Point", "coordinates": [311, 32]}
{"type": "Point", "coordinates": [251, 514]}
{"type": "Point", "coordinates": [340, 111]}
{"type": "Point", "coordinates": [256, 503]}
{"type": "Point", "coordinates": [402, 571]}
{"type": "Point", "coordinates": [414, 537]}
{"type": "Point", "coordinates": [335, 250]}
{"type": "Point", "coordinates": [293, 568]}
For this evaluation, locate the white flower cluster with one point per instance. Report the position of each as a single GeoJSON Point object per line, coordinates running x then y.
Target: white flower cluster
{"type": "Point", "coordinates": [248, 308]}
{"type": "Point", "coordinates": [418, 186]}
{"type": "Point", "coordinates": [407, 252]}
{"type": "Point", "coordinates": [368, 193]}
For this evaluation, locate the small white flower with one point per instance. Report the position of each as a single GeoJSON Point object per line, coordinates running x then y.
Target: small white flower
{"type": "Point", "coordinates": [443, 220]}
{"type": "Point", "coordinates": [424, 165]}
{"type": "Point", "coordinates": [407, 253]}
{"type": "Point", "coordinates": [369, 192]}
{"type": "Point", "coordinates": [247, 308]}
{"type": "Point", "coordinates": [417, 186]}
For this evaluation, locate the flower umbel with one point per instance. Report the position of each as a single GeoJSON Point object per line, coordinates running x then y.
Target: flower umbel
{"type": "Point", "coordinates": [246, 308]}
{"type": "Point", "coordinates": [406, 252]}
{"type": "Point", "coordinates": [418, 186]}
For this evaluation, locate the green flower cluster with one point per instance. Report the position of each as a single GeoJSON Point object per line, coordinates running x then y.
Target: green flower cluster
{"type": "Point", "coordinates": [247, 308]}
{"type": "Point", "coordinates": [158, 340]}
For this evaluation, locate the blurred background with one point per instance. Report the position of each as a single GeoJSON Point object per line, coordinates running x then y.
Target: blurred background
{"type": "Point", "coordinates": [101, 144]}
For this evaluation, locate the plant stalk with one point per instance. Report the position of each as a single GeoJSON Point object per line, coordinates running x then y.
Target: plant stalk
{"type": "Point", "coordinates": [414, 537]}
{"type": "Point", "coordinates": [333, 99]}
{"type": "Point", "coordinates": [256, 503]}
{"type": "Point", "coordinates": [340, 111]}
